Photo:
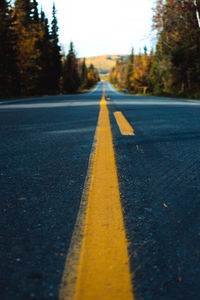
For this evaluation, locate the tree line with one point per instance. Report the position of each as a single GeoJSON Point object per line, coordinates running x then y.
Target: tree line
{"type": "Point", "coordinates": [76, 76]}
{"type": "Point", "coordinates": [31, 62]}
{"type": "Point", "coordinates": [174, 67]}
{"type": "Point", "coordinates": [133, 74]}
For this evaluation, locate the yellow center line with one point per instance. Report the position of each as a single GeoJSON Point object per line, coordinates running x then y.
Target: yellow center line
{"type": "Point", "coordinates": [124, 126]}
{"type": "Point", "coordinates": [103, 267]}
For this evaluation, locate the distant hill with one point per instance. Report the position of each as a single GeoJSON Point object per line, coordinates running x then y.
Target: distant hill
{"type": "Point", "coordinates": [105, 63]}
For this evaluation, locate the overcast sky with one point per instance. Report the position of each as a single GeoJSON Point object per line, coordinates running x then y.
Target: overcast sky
{"type": "Point", "coordinates": [103, 27]}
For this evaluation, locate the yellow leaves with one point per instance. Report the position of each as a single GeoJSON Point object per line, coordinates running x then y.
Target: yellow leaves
{"type": "Point", "coordinates": [176, 35]}
{"type": "Point", "coordinates": [137, 73]}
{"type": "Point", "coordinates": [27, 49]}
{"type": "Point", "coordinates": [141, 68]}
{"type": "Point", "coordinates": [109, 77]}
{"type": "Point", "coordinates": [115, 73]}
{"type": "Point", "coordinates": [90, 76]}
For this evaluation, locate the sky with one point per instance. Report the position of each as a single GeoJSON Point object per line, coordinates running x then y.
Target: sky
{"type": "Point", "coordinates": [103, 27]}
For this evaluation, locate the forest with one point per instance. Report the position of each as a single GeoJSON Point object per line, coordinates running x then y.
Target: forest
{"type": "Point", "coordinates": [31, 61]}
{"type": "Point", "coordinates": [173, 67]}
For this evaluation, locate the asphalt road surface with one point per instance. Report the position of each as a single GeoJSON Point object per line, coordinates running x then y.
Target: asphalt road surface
{"type": "Point", "coordinates": [44, 153]}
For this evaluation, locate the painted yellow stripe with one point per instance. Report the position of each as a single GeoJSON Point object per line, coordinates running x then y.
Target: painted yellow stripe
{"type": "Point", "coordinates": [124, 126]}
{"type": "Point", "coordinates": [103, 267]}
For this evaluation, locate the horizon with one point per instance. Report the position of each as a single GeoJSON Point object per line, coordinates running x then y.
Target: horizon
{"type": "Point", "coordinates": [123, 54]}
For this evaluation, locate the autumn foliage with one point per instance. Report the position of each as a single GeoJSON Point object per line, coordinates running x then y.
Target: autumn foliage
{"type": "Point", "coordinates": [133, 74]}
{"type": "Point", "coordinates": [30, 60]}
{"type": "Point", "coordinates": [30, 56]}
{"type": "Point", "coordinates": [174, 67]}
{"type": "Point", "coordinates": [177, 57]}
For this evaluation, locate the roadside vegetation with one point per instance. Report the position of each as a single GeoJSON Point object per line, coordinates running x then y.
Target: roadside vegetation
{"type": "Point", "coordinates": [31, 62]}
{"type": "Point", "coordinates": [173, 68]}
{"type": "Point", "coordinates": [133, 74]}
{"type": "Point", "coordinates": [75, 75]}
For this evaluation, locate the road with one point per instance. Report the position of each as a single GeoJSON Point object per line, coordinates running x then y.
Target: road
{"type": "Point", "coordinates": [46, 146]}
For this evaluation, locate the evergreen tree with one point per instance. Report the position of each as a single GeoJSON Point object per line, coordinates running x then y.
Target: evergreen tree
{"type": "Point", "coordinates": [26, 46]}
{"type": "Point", "coordinates": [55, 62]}
{"type": "Point", "coordinates": [179, 39]}
{"type": "Point", "coordinates": [131, 58]}
{"type": "Point", "coordinates": [8, 66]}
{"type": "Point", "coordinates": [35, 12]}
{"type": "Point", "coordinates": [93, 76]}
{"type": "Point", "coordinates": [134, 73]}
{"type": "Point", "coordinates": [160, 69]}
{"type": "Point", "coordinates": [23, 8]}
{"type": "Point", "coordinates": [71, 78]}
{"type": "Point", "coordinates": [129, 72]}
{"type": "Point", "coordinates": [30, 60]}
{"type": "Point", "coordinates": [45, 57]}
{"type": "Point", "coordinates": [84, 74]}
{"type": "Point", "coordinates": [145, 50]}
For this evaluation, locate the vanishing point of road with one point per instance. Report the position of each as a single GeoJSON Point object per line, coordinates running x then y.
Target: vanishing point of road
{"type": "Point", "coordinates": [100, 197]}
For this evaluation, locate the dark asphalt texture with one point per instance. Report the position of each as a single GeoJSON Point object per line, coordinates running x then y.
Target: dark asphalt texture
{"type": "Point", "coordinates": [44, 158]}
{"type": "Point", "coordinates": [159, 174]}
{"type": "Point", "coordinates": [45, 147]}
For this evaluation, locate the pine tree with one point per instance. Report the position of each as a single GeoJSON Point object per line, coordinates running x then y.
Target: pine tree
{"type": "Point", "coordinates": [129, 72]}
{"type": "Point", "coordinates": [30, 58]}
{"type": "Point", "coordinates": [160, 69]}
{"type": "Point", "coordinates": [8, 66]}
{"type": "Point", "coordinates": [179, 37]}
{"type": "Point", "coordinates": [30, 36]}
{"type": "Point", "coordinates": [93, 76]}
{"type": "Point", "coordinates": [71, 78]}
{"type": "Point", "coordinates": [131, 58]}
{"type": "Point", "coordinates": [55, 62]}
{"type": "Point", "coordinates": [84, 74]}
{"type": "Point", "coordinates": [35, 12]}
{"type": "Point", "coordinates": [45, 56]}
{"type": "Point", "coordinates": [25, 46]}
{"type": "Point", "coordinates": [23, 8]}
{"type": "Point", "coordinates": [145, 50]}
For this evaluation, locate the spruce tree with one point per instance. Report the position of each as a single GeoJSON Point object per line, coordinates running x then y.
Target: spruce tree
{"type": "Point", "coordinates": [84, 74]}
{"type": "Point", "coordinates": [71, 78]}
{"type": "Point", "coordinates": [129, 71]}
{"type": "Point", "coordinates": [179, 37]}
{"type": "Point", "coordinates": [55, 63]}
{"type": "Point", "coordinates": [30, 58]}
{"type": "Point", "coordinates": [8, 66]}
{"type": "Point", "coordinates": [131, 57]}
{"type": "Point", "coordinates": [23, 8]}
{"type": "Point", "coordinates": [45, 57]}
{"type": "Point", "coordinates": [93, 76]}
{"type": "Point", "coordinates": [35, 16]}
{"type": "Point", "coordinates": [29, 34]}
